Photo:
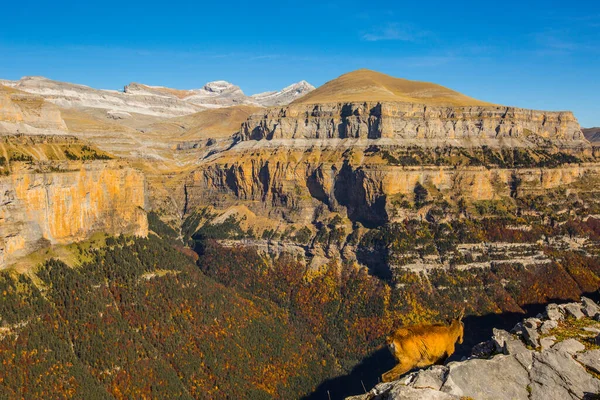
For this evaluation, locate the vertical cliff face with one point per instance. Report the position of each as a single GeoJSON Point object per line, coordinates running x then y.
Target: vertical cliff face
{"type": "Point", "coordinates": [295, 183]}
{"type": "Point", "coordinates": [416, 124]}
{"type": "Point", "coordinates": [38, 209]}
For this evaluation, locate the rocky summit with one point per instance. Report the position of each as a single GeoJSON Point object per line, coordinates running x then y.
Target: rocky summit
{"type": "Point", "coordinates": [224, 245]}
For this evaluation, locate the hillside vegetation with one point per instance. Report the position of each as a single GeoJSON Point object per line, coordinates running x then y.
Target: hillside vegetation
{"type": "Point", "coordinates": [141, 321]}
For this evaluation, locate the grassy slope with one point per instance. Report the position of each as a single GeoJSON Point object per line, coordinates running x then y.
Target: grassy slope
{"type": "Point", "coordinates": [215, 123]}
{"type": "Point", "coordinates": [366, 85]}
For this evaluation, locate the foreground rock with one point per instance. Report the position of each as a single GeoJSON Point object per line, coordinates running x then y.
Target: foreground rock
{"type": "Point", "coordinates": [561, 371]}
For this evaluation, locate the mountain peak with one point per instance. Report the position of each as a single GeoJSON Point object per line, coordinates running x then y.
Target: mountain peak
{"type": "Point", "coordinates": [285, 96]}
{"type": "Point", "coordinates": [368, 85]}
{"type": "Point", "coordinates": [220, 87]}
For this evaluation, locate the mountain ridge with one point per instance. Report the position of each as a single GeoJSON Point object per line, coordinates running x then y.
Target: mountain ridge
{"type": "Point", "coordinates": [367, 85]}
{"type": "Point", "coordinates": [592, 134]}
{"type": "Point", "coordinates": [153, 100]}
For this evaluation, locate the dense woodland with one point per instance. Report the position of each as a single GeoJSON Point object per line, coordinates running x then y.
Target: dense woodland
{"type": "Point", "coordinates": [142, 320]}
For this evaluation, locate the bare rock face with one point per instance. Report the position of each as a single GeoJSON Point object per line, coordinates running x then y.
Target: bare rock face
{"type": "Point", "coordinates": [408, 124]}
{"type": "Point", "coordinates": [590, 308]}
{"type": "Point", "coordinates": [38, 209]}
{"type": "Point", "coordinates": [553, 312]}
{"type": "Point", "coordinates": [573, 309]}
{"type": "Point", "coordinates": [70, 95]}
{"type": "Point", "coordinates": [24, 112]}
{"type": "Point", "coordinates": [299, 180]}
{"type": "Point", "coordinates": [505, 374]}
{"type": "Point", "coordinates": [591, 359]}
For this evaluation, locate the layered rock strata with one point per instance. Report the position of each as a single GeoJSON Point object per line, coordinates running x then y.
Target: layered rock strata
{"type": "Point", "coordinates": [24, 112]}
{"type": "Point", "coordinates": [409, 124]}
{"type": "Point", "coordinates": [40, 209]}
{"type": "Point", "coordinates": [298, 182]}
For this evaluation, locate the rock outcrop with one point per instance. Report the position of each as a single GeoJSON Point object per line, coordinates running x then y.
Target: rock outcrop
{"type": "Point", "coordinates": [304, 180]}
{"type": "Point", "coordinates": [41, 209]}
{"type": "Point", "coordinates": [22, 112]}
{"type": "Point", "coordinates": [509, 370]}
{"type": "Point", "coordinates": [405, 124]}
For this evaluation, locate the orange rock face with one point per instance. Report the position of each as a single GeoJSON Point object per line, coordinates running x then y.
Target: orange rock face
{"type": "Point", "coordinates": [37, 209]}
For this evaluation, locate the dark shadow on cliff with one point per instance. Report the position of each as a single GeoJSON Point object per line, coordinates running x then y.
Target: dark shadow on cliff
{"type": "Point", "coordinates": [377, 261]}
{"type": "Point", "coordinates": [362, 377]}
{"type": "Point", "coordinates": [477, 329]}
{"type": "Point", "coordinates": [350, 191]}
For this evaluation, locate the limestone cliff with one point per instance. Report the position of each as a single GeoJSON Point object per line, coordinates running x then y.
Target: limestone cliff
{"type": "Point", "coordinates": [295, 183]}
{"type": "Point", "coordinates": [38, 209]}
{"type": "Point", "coordinates": [409, 124]}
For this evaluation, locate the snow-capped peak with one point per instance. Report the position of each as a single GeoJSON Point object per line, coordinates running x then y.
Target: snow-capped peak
{"type": "Point", "coordinates": [284, 96]}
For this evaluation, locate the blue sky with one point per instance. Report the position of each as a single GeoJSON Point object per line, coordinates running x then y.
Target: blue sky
{"type": "Point", "coordinates": [534, 54]}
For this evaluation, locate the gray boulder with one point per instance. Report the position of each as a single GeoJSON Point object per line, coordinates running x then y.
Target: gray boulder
{"type": "Point", "coordinates": [532, 323]}
{"type": "Point", "coordinates": [569, 346]}
{"type": "Point", "coordinates": [432, 378]}
{"type": "Point", "coordinates": [547, 342]}
{"type": "Point", "coordinates": [573, 309]}
{"type": "Point", "coordinates": [590, 359]}
{"type": "Point", "coordinates": [589, 307]}
{"type": "Point", "coordinates": [398, 391]}
{"type": "Point", "coordinates": [591, 329]}
{"type": "Point", "coordinates": [555, 375]}
{"type": "Point", "coordinates": [547, 326]}
{"type": "Point", "coordinates": [554, 312]}
{"type": "Point", "coordinates": [502, 377]}
{"type": "Point", "coordinates": [531, 336]}
{"type": "Point", "coordinates": [506, 343]}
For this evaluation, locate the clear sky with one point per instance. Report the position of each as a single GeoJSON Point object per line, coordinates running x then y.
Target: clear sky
{"type": "Point", "coordinates": [534, 54]}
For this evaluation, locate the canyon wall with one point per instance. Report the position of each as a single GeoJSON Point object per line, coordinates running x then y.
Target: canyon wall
{"type": "Point", "coordinates": [420, 125]}
{"type": "Point", "coordinates": [294, 183]}
{"type": "Point", "coordinates": [40, 209]}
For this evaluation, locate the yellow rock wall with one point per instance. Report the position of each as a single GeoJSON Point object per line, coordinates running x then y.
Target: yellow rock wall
{"type": "Point", "coordinates": [37, 209]}
{"type": "Point", "coordinates": [297, 182]}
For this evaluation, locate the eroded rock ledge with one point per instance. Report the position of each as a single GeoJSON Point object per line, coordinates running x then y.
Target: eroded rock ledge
{"type": "Point", "coordinates": [415, 124]}
{"type": "Point", "coordinates": [553, 356]}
